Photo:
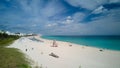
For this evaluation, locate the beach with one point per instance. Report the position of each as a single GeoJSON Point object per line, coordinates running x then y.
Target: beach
{"type": "Point", "coordinates": [65, 55]}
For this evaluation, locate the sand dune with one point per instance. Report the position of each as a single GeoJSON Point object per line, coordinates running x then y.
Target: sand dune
{"type": "Point", "coordinates": [75, 56]}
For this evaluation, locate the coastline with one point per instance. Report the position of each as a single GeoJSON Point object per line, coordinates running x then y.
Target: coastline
{"type": "Point", "coordinates": [74, 56]}
{"type": "Point", "coordinates": [101, 42]}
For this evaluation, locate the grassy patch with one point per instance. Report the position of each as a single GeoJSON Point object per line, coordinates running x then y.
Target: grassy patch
{"type": "Point", "coordinates": [6, 42]}
{"type": "Point", "coordinates": [11, 57]}
{"type": "Point", "coordinates": [6, 39]}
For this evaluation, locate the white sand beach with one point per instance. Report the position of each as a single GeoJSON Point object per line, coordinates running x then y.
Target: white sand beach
{"type": "Point", "coordinates": [75, 56]}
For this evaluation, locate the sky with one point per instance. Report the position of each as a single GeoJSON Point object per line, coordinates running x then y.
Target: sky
{"type": "Point", "coordinates": [61, 17]}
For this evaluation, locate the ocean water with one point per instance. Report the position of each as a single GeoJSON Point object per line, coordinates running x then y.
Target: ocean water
{"type": "Point", "coordinates": [105, 42]}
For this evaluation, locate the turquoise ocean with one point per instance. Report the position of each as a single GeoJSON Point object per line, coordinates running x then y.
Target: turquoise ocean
{"type": "Point", "coordinates": [105, 42]}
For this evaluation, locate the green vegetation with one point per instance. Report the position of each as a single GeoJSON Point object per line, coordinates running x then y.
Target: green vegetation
{"type": "Point", "coordinates": [6, 39]}
{"type": "Point", "coordinates": [11, 57]}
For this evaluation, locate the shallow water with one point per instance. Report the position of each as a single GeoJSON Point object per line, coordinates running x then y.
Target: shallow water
{"type": "Point", "coordinates": [106, 42]}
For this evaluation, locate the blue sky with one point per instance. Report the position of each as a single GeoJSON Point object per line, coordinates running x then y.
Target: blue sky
{"type": "Point", "coordinates": [61, 17]}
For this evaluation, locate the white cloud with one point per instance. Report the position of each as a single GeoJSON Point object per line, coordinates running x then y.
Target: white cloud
{"type": "Point", "coordinates": [51, 25]}
{"type": "Point", "coordinates": [105, 25]}
{"type": "Point", "coordinates": [41, 7]}
{"type": "Point", "coordinates": [69, 17]}
{"type": "Point", "coordinates": [52, 8]}
{"type": "Point", "coordinates": [77, 17]}
{"type": "Point", "coordinates": [34, 25]}
{"type": "Point", "coordinates": [98, 10]}
{"type": "Point", "coordinates": [88, 4]}
{"type": "Point", "coordinates": [67, 21]}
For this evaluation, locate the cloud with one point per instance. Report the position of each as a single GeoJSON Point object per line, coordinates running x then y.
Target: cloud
{"type": "Point", "coordinates": [67, 21]}
{"type": "Point", "coordinates": [51, 25]}
{"type": "Point", "coordinates": [52, 8]}
{"type": "Point", "coordinates": [31, 12]}
{"type": "Point", "coordinates": [88, 4]}
{"type": "Point", "coordinates": [40, 7]}
{"type": "Point", "coordinates": [103, 25]}
{"type": "Point", "coordinates": [78, 17]}
{"type": "Point", "coordinates": [75, 18]}
{"type": "Point", "coordinates": [62, 17]}
{"type": "Point", "coordinates": [99, 10]}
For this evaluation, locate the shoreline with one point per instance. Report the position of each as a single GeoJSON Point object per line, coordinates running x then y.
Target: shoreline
{"type": "Point", "coordinates": [74, 56]}
{"type": "Point", "coordinates": [84, 45]}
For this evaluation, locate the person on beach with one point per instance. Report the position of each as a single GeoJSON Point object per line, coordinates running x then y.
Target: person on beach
{"type": "Point", "coordinates": [32, 48]}
{"type": "Point", "coordinates": [26, 49]}
{"type": "Point", "coordinates": [54, 43]}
